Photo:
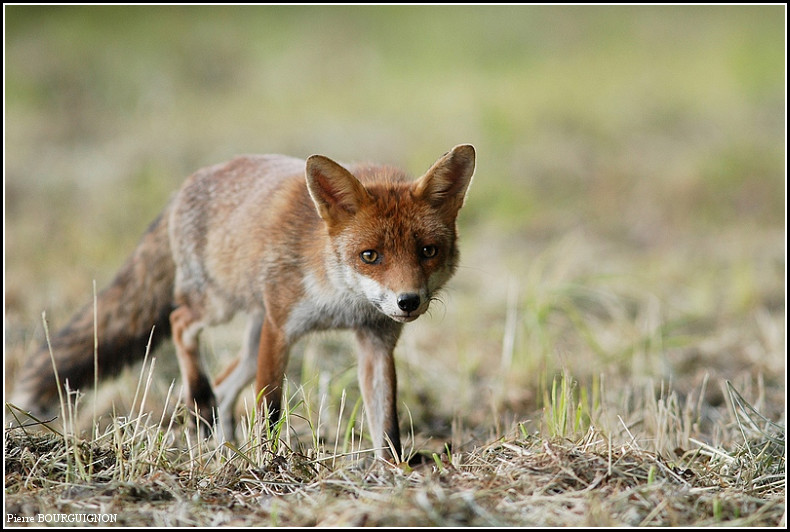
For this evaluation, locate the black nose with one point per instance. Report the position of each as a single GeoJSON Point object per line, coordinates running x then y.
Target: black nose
{"type": "Point", "coordinates": [408, 302]}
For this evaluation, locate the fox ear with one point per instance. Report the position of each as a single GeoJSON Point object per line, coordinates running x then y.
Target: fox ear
{"type": "Point", "coordinates": [337, 194]}
{"type": "Point", "coordinates": [445, 184]}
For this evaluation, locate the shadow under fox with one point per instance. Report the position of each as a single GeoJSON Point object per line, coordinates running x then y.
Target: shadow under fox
{"type": "Point", "coordinates": [299, 246]}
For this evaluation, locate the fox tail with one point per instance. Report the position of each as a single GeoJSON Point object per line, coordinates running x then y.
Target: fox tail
{"type": "Point", "coordinates": [139, 299]}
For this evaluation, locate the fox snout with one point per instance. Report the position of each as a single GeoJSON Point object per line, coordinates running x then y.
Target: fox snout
{"type": "Point", "coordinates": [409, 301]}
{"type": "Point", "coordinates": [404, 306]}
{"type": "Point", "coordinates": [410, 306]}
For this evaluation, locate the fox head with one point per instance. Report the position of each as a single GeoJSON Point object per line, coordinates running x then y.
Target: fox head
{"type": "Point", "coordinates": [394, 241]}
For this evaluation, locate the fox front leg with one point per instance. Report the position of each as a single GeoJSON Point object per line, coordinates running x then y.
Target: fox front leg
{"type": "Point", "coordinates": [272, 360]}
{"type": "Point", "coordinates": [378, 383]}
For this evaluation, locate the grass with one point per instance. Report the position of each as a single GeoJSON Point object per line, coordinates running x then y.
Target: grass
{"type": "Point", "coordinates": [611, 351]}
{"type": "Point", "coordinates": [580, 477]}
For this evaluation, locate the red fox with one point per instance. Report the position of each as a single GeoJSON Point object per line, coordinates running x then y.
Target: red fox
{"type": "Point", "coordinates": [299, 246]}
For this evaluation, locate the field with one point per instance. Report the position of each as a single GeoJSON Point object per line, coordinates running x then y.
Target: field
{"type": "Point", "coordinates": [611, 351]}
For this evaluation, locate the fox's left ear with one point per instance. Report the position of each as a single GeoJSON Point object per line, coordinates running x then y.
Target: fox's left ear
{"type": "Point", "coordinates": [445, 184]}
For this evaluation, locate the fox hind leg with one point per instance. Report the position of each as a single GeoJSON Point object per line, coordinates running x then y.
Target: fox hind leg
{"type": "Point", "coordinates": [185, 324]}
{"type": "Point", "coordinates": [232, 381]}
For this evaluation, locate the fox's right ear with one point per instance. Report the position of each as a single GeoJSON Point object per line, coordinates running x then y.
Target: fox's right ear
{"type": "Point", "coordinates": [337, 194]}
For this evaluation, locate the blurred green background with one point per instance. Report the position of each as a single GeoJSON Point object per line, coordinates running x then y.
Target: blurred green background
{"type": "Point", "coordinates": [628, 211]}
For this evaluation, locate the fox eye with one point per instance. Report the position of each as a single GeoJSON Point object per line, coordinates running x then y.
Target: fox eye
{"type": "Point", "coordinates": [428, 252]}
{"type": "Point", "coordinates": [369, 256]}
